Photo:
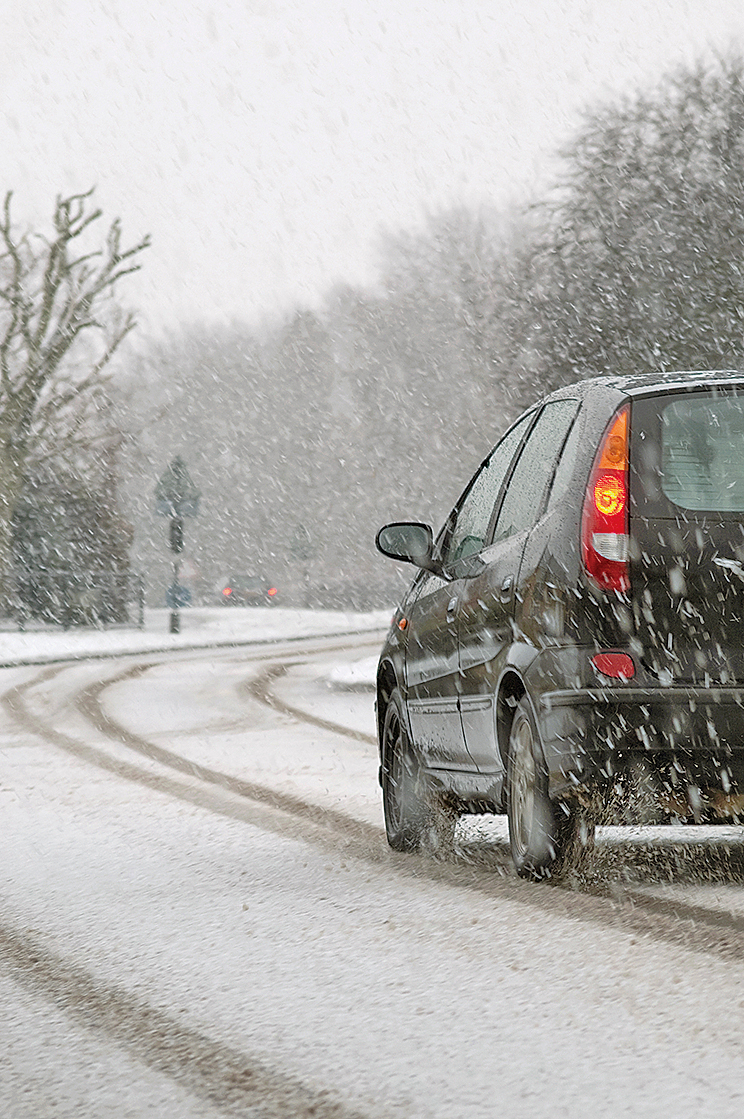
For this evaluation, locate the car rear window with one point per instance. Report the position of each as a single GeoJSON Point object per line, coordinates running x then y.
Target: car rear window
{"type": "Point", "coordinates": [702, 452]}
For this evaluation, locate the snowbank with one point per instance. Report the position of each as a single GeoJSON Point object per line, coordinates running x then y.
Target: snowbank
{"type": "Point", "coordinates": [200, 628]}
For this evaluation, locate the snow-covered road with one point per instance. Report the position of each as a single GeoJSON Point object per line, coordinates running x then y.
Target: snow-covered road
{"type": "Point", "coordinates": [199, 916]}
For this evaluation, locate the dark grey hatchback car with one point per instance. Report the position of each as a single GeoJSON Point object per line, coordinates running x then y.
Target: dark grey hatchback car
{"type": "Point", "coordinates": [574, 638]}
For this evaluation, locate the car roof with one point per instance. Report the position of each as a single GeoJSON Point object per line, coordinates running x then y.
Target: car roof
{"type": "Point", "coordinates": [641, 384]}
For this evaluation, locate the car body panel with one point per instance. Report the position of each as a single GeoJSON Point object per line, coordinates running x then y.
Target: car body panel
{"type": "Point", "coordinates": [485, 635]}
{"type": "Point", "coordinates": [432, 675]}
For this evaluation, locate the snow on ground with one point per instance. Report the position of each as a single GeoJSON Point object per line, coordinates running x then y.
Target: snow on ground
{"type": "Point", "coordinates": [397, 992]}
{"type": "Point", "coordinates": [201, 627]}
{"type": "Point", "coordinates": [400, 994]}
{"type": "Point", "coordinates": [357, 675]}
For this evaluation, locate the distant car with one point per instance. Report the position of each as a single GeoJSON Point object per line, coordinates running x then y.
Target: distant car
{"type": "Point", "coordinates": [573, 642]}
{"type": "Point", "coordinates": [248, 590]}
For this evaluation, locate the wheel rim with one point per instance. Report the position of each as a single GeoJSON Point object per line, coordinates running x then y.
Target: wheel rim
{"type": "Point", "coordinates": [523, 781]}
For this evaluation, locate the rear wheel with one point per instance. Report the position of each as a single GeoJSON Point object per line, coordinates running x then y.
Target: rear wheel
{"type": "Point", "coordinates": [414, 821]}
{"type": "Point", "coordinates": [541, 833]}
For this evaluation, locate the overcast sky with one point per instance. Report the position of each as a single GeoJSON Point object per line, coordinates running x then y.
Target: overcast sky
{"type": "Point", "coordinates": [265, 143]}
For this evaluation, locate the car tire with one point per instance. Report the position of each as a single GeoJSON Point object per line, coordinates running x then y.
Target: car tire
{"type": "Point", "coordinates": [540, 833]}
{"type": "Point", "coordinates": [414, 821]}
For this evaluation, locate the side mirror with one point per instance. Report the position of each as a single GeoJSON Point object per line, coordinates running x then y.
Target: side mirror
{"type": "Point", "coordinates": [410, 542]}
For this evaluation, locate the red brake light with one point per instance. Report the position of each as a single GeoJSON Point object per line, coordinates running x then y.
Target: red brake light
{"type": "Point", "coordinates": [619, 666]}
{"type": "Point", "coordinates": [272, 591]}
{"type": "Point", "coordinates": [227, 591]}
{"type": "Point", "coordinates": [605, 524]}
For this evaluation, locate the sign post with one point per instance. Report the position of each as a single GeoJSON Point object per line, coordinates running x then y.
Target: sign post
{"type": "Point", "coordinates": [176, 497]}
{"type": "Point", "coordinates": [301, 548]}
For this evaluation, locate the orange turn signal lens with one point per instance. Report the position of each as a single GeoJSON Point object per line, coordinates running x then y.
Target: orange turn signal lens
{"type": "Point", "coordinates": [615, 447]}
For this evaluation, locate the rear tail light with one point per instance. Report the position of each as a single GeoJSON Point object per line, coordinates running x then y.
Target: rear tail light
{"type": "Point", "coordinates": [605, 523]}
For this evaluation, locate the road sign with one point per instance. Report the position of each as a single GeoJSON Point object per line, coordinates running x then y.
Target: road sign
{"type": "Point", "coordinates": [175, 493]}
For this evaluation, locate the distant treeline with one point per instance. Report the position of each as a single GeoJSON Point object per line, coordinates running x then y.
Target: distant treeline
{"type": "Point", "coordinates": [306, 435]}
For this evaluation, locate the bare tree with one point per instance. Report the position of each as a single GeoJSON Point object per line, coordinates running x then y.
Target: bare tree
{"type": "Point", "coordinates": [59, 328]}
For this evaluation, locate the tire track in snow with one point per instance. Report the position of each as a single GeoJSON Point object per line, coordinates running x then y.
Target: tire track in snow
{"type": "Point", "coordinates": [640, 909]}
{"type": "Point", "coordinates": [89, 703]}
{"type": "Point", "coordinates": [231, 1081]}
{"type": "Point", "coordinates": [260, 689]}
{"type": "Point", "coordinates": [606, 904]}
{"type": "Point", "coordinates": [212, 790]}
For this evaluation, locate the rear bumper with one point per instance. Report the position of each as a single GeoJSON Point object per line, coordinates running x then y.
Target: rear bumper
{"type": "Point", "coordinates": [588, 734]}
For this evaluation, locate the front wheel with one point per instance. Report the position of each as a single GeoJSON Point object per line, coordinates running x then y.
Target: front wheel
{"type": "Point", "coordinates": [540, 833]}
{"type": "Point", "coordinates": [413, 820]}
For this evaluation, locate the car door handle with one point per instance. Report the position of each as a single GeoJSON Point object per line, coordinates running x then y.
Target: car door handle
{"type": "Point", "coordinates": [451, 609]}
{"type": "Point", "coordinates": [506, 588]}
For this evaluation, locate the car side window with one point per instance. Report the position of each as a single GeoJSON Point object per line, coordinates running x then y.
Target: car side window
{"type": "Point", "coordinates": [565, 466]}
{"type": "Point", "coordinates": [525, 495]}
{"type": "Point", "coordinates": [473, 515]}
